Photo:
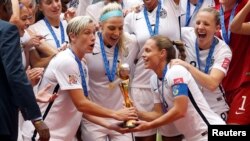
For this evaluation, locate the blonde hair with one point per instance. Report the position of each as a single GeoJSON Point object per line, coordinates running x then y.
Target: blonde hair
{"type": "Point", "coordinates": [78, 24]}
{"type": "Point", "coordinates": [114, 6]}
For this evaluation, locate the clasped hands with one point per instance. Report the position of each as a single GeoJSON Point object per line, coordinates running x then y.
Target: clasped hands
{"type": "Point", "coordinates": [126, 114]}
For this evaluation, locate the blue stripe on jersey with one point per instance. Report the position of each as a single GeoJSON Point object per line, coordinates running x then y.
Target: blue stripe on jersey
{"type": "Point", "coordinates": [180, 89]}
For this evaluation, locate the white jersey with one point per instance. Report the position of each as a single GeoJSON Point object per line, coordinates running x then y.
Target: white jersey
{"type": "Point", "coordinates": [135, 24]}
{"type": "Point", "coordinates": [40, 28]}
{"type": "Point", "coordinates": [183, 4]}
{"type": "Point", "coordinates": [195, 127]}
{"type": "Point", "coordinates": [100, 91]}
{"type": "Point", "coordinates": [99, 83]}
{"type": "Point", "coordinates": [221, 58]}
{"type": "Point", "coordinates": [94, 10]}
{"type": "Point", "coordinates": [81, 9]}
{"type": "Point", "coordinates": [63, 118]}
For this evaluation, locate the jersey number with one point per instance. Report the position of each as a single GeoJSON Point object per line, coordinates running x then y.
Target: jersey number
{"type": "Point", "coordinates": [242, 108]}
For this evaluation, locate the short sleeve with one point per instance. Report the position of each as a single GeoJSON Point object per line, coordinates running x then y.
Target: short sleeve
{"type": "Point", "coordinates": [177, 74]}
{"type": "Point", "coordinates": [68, 75]}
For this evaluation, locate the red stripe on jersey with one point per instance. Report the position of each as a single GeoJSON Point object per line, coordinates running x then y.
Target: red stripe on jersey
{"type": "Point", "coordinates": [178, 80]}
{"type": "Point", "coordinates": [226, 63]}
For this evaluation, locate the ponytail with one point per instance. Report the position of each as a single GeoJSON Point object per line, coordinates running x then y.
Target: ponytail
{"type": "Point", "coordinates": [180, 46]}
{"type": "Point", "coordinates": [163, 42]}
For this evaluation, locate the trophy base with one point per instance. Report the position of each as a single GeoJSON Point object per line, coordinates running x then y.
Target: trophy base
{"type": "Point", "coordinates": [129, 124]}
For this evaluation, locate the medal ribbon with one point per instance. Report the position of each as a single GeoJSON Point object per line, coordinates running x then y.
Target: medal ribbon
{"type": "Point", "coordinates": [53, 33]}
{"type": "Point", "coordinates": [209, 57]}
{"type": "Point", "coordinates": [157, 20]}
{"type": "Point", "coordinates": [84, 84]}
{"type": "Point", "coordinates": [225, 32]}
{"type": "Point", "coordinates": [164, 103]}
{"type": "Point", "coordinates": [188, 15]}
{"type": "Point", "coordinates": [111, 75]}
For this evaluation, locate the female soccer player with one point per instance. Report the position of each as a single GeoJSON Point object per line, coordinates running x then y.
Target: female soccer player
{"type": "Point", "coordinates": [67, 71]}
{"type": "Point", "coordinates": [156, 17]}
{"type": "Point", "coordinates": [108, 52]}
{"type": "Point", "coordinates": [208, 58]}
{"type": "Point", "coordinates": [186, 107]}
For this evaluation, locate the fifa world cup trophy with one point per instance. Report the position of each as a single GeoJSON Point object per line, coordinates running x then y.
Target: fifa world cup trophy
{"type": "Point", "coordinates": [123, 73]}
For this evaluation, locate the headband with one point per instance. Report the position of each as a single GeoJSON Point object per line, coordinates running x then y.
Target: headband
{"type": "Point", "coordinates": [110, 14]}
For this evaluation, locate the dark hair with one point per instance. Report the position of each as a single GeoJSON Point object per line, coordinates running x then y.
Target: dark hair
{"type": "Point", "coordinates": [64, 5]}
{"type": "Point", "coordinates": [163, 42]}
{"type": "Point", "coordinates": [39, 14]}
{"type": "Point", "coordinates": [5, 9]}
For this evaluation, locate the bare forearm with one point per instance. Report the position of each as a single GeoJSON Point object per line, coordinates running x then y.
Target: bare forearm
{"type": "Point", "coordinates": [148, 116]}
{"type": "Point", "coordinates": [205, 80]}
{"type": "Point", "coordinates": [238, 24]}
{"type": "Point", "coordinates": [15, 18]}
{"type": "Point", "coordinates": [169, 117]}
{"type": "Point", "coordinates": [86, 106]}
{"type": "Point", "coordinates": [37, 61]}
{"type": "Point", "coordinates": [91, 108]}
{"type": "Point", "coordinates": [178, 111]}
{"type": "Point", "coordinates": [46, 49]}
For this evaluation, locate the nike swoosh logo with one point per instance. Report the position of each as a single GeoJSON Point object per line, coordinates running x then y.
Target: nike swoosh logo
{"type": "Point", "coordinates": [155, 89]}
{"type": "Point", "coordinates": [137, 19]}
{"type": "Point", "coordinates": [95, 53]}
{"type": "Point", "coordinates": [239, 113]}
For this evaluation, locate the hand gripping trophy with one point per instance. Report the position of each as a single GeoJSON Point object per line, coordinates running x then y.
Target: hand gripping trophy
{"type": "Point", "coordinates": [123, 73]}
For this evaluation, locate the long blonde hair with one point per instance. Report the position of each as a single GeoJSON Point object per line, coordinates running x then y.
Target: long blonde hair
{"type": "Point", "coordinates": [113, 6]}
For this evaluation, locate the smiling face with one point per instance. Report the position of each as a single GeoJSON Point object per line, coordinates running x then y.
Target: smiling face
{"type": "Point", "coordinates": [205, 28]}
{"type": "Point", "coordinates": [151, 55]}
{"type": "Point", "coordinates": [112, 30]}
{"type": "Point", "coordinates": [24, 20]}
{"type": "Point", "coordinates": [51, 8]}
{"type": "Point", "coordinates": [31, 5]}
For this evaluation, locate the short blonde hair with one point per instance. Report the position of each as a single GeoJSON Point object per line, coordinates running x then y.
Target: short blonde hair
{"type": "Point", "coordinates": [78, 24]}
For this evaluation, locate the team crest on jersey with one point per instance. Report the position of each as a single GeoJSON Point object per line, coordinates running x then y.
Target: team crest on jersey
{"type": "Point", "coordinates": [226, 63]}
{"type": "Point", "coordinates": [175, 90]}
{"type": "Point", "coordinates": [178, 80]}
{"type": "Point", "coordinates": [163, 13]}
{"type": "Point", "coordinates": [72, 79]}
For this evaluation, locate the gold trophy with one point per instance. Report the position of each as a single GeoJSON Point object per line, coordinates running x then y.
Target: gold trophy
{"type": "Point", "coordinates": [123, 73]}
